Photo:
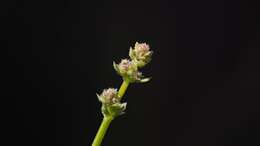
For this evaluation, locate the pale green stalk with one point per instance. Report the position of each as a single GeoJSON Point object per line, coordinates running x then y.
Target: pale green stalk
{"type": "Point", "coordinates": [123, 88]}
{"type": "Point", "coordinates": [102, 131]}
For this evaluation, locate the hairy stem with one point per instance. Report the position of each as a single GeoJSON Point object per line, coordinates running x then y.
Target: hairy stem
{"type": "Point", "coordinates": [102, 131]}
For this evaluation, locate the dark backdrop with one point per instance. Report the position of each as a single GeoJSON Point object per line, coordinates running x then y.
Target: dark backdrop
{"type": "Point", "coordinates": [205, 69]}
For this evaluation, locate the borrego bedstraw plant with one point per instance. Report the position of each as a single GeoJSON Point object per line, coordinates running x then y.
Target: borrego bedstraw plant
{"type": "Point", "coordinates": [111, 99]}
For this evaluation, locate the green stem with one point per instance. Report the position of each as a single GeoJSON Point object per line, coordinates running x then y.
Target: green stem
{"type": "Point", "coordinates": [102, 131]}
{"type": "Point", "coordinates": [123, 88]}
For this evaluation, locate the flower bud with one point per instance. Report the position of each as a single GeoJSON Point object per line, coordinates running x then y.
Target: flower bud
{"type": "Point", "coordinates": [108, 96]}
{"type": "Point", "coordinates": [117, 109]}
{"type": "Point", "coordinates": [111, 105]}
{"type": "Point", "coordinates": [126, 66]}
{"type": "Point", "coordinates": [141, 54]}
{"type": "Point", "coordinates": [129, 71]}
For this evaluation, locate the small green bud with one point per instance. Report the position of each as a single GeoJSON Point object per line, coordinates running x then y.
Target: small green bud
{"type": "Point", "coordinates": [141, 54]}
{"type": "Point", "coordinates": [113, 110]}
{"type": "Point", "coordinates": [116, 109]}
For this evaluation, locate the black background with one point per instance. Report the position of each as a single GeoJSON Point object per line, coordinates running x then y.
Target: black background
{"type": "Point", "coordinates": [205, 69]}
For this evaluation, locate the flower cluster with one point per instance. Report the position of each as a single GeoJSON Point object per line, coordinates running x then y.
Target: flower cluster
{"type": "Point", "coordinates": [108, 96]}
{"type": "Point", "coordinates": [141, 54]}
{"type": "Point", "coordinates": [111, 105]}
{"type": "Point", "coordinates": [128, 69]}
